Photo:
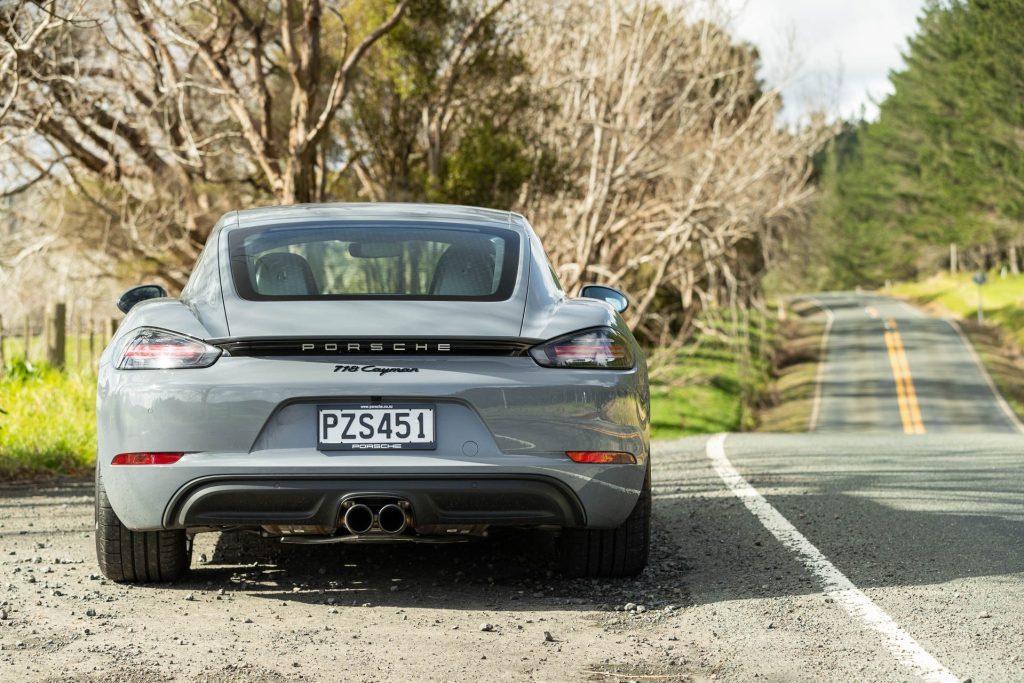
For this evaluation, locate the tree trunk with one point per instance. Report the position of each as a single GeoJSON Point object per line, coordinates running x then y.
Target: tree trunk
{"type": "Point", "coordinates": [56, 335]}
{"type": "Point", "coordinates": [300, 177]}
{"type": "Point", "coordinates": [952, 258]}
{"type": "Point", "coordinates": [1012, 256]}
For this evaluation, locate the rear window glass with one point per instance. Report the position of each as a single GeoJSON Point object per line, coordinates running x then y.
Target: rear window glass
{"type": "Point", "coordinates": [374, 262]}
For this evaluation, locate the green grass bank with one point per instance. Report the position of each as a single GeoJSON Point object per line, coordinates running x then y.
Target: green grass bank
{"type": "Point", "coordinates": [1002, 299]}
{"type": "Point", "coordinates": [47, 421]}
{"type": "Point", "coordinates": [713, 384]}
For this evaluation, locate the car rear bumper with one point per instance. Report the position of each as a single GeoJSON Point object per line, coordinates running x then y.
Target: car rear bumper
{"type": "Point", "coordinates": [465, 501]}
{"type": "Point", "coordinates": [291, 487]}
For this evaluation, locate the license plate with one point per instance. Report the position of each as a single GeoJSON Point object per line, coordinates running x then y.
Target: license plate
{"type": "Point", "coordinates": [384, 426]}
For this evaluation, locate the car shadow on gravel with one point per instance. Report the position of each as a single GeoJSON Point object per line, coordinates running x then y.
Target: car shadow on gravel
{"type": "Point", "coordinates": [510, 570]}
{"type": "Point", "coordinates": [20, 493]}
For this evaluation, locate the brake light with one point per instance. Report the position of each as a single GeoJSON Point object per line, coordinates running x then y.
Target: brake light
{"type": "Point", "coordinates": [146, 458]}
{"type": "Point", "coordinates": [155, 349]}
{"type": "Point", "coordinates": [602, 457]}
{"type": "Point", "coordinates": [601, 348]}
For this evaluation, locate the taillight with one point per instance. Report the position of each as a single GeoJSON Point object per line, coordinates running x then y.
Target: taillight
{"type": "Point", "coordinates": [146, 458]}
{"type": "Point", "coordinates": [602, 457]}
{"type": "Point", "coordinates": [601, 348]}
{"type": "Point", "coordinates": [153, 349]}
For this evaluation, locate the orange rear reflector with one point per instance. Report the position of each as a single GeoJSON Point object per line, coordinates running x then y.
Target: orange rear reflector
{"type": "Point", "coordinates": [602, 457]}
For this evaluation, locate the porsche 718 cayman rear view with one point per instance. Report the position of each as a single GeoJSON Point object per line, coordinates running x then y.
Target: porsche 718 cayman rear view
{"type": "Point", "coordinates": [359, 373]}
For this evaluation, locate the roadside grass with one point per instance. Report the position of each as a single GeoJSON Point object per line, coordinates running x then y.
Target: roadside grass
{"type": "Point", "coordinates": [1001, 354]}
{"type": "Point", "coordinates": [712, 384]}
{"type": "Point", "coordinates": [47, 421]}
{"type": "Point", "coordinates": [1002, 298]}
{"type": "Point", "coordinates": [999, 339]}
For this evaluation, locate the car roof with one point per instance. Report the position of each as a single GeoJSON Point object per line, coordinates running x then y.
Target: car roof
{"type": "Point", "coordinates": [374, 211]}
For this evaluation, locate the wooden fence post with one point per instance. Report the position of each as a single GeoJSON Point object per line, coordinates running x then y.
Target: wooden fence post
{"type": "Point", "coordinates": [92, 342]}
{"type": "Point", "coordinates": [78, 343]}
{"type": "Point", "coordinates": [28, 339]}
{"type": "Point", "coordinates": [56, 335]}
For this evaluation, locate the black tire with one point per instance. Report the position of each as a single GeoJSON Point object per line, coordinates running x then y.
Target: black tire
{"type": "Point", "coordinates": [128, 556]}
{"type": "Point", "coordinates": [610, 553]}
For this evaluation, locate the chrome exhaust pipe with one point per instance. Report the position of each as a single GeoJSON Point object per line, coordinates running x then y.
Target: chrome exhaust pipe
{"type": "Point", "coordinates": [358, 519]}
{"type": "Point", "coordinates": [392, 519]}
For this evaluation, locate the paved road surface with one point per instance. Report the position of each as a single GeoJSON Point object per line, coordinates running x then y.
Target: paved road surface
{"type": "Point", "coordinates": [891, 368]}
{"type": "Point", "coordinates": [887, 546]}
{"type": "Point", "coordinates": [890, 542]}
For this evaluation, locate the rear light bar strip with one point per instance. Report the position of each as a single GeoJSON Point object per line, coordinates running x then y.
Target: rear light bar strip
{"type": "Point", "coordinates": [320, 346]}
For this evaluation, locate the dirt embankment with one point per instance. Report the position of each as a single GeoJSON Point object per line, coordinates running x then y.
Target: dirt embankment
{"type": "Point", "coordinates": [788, 402]}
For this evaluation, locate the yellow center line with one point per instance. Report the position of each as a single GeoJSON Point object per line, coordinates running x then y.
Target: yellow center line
{"type": "Point", "coordinates": [906, 395]}
{"type": "Point", "coordinates": [908, 381]}
{"type": "Point", "coordinates": [901, 395]}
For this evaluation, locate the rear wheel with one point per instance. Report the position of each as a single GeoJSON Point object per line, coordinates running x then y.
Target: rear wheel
{"type": "Point", "coordinates": [137, 556]}
{"type": "Point", "coordinates": [610, 553]}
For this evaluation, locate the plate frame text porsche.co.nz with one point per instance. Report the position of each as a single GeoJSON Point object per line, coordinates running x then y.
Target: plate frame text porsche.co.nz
{"type": "Point", "coordinates": [371, 446]}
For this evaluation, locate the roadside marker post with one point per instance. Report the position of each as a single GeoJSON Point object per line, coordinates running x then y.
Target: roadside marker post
{"type": "Point", "coordinates": [979, 279]}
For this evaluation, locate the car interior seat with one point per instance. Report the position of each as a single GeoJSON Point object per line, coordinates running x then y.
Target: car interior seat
{"type": "Point", "coordinates": [284, 274]}
{"type": "Point", "coordinates": [465, 270]}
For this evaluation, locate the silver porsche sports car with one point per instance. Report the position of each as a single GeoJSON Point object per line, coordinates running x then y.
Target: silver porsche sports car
{"type": "Point", "coordinates": [372, 372]}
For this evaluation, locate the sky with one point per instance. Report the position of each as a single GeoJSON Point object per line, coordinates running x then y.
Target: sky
{"type": "Point", "coordinates": [844, 49]}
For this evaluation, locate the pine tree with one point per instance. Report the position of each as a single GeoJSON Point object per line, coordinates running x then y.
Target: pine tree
{"type": "Point", "coordinates": [944, 162]}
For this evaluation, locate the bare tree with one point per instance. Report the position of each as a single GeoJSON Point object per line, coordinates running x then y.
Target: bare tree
{"type": "Point", "coordinates": [682, 177]}
{"type": "Point", "coordinates": [153, 117]}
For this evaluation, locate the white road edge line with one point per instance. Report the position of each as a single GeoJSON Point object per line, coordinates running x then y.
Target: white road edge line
{"type": "Point", "coordinates": [1000, 399]}
{"type": "Point", "coordinates": [833, 582]}
{"type": "Point", "coordinates": [819, 380]}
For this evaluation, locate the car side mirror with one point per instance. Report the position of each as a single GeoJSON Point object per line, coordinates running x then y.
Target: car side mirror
{"type": "Point", "coordinates": [139, 294]}
{"type": "Point", "coordinates": [612, 296]}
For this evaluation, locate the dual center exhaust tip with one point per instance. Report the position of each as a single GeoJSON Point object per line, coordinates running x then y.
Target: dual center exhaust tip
{"type": "Point", "coordinates": [390, 518]}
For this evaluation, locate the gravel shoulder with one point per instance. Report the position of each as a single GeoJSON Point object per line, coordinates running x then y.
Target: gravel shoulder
{"type": "Point", "coordinates": [253, 610]}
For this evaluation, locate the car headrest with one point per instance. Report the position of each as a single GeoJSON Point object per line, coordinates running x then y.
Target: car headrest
{"type": "Point", "coordinates": [284, 274]}
{"type": "Point", "coordinates": [465, 271]}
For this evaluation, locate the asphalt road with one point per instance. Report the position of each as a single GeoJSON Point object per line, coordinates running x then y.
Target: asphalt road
{"type": "Point", "coordinates": [889, 543]}
{"type": "Point", "coordinates": [887, 546]}
{"type": "Point", "coordinates": [889, 367]}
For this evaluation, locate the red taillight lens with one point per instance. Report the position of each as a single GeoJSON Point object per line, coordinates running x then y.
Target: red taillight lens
{"type": "Point", "coordinates": [602, 457]}
{"type": "Point", "coordinates": [589, 350]}
{"type": "Point", "coordinates": [153, 349]}
{"type": "Point", "coordinates": [146, 458]}
{"type": "Point", "coordinates": [602, 348]}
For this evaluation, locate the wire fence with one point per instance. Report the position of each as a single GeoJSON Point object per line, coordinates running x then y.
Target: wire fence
{"type": "Point", "coordinates": [61, 341]}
